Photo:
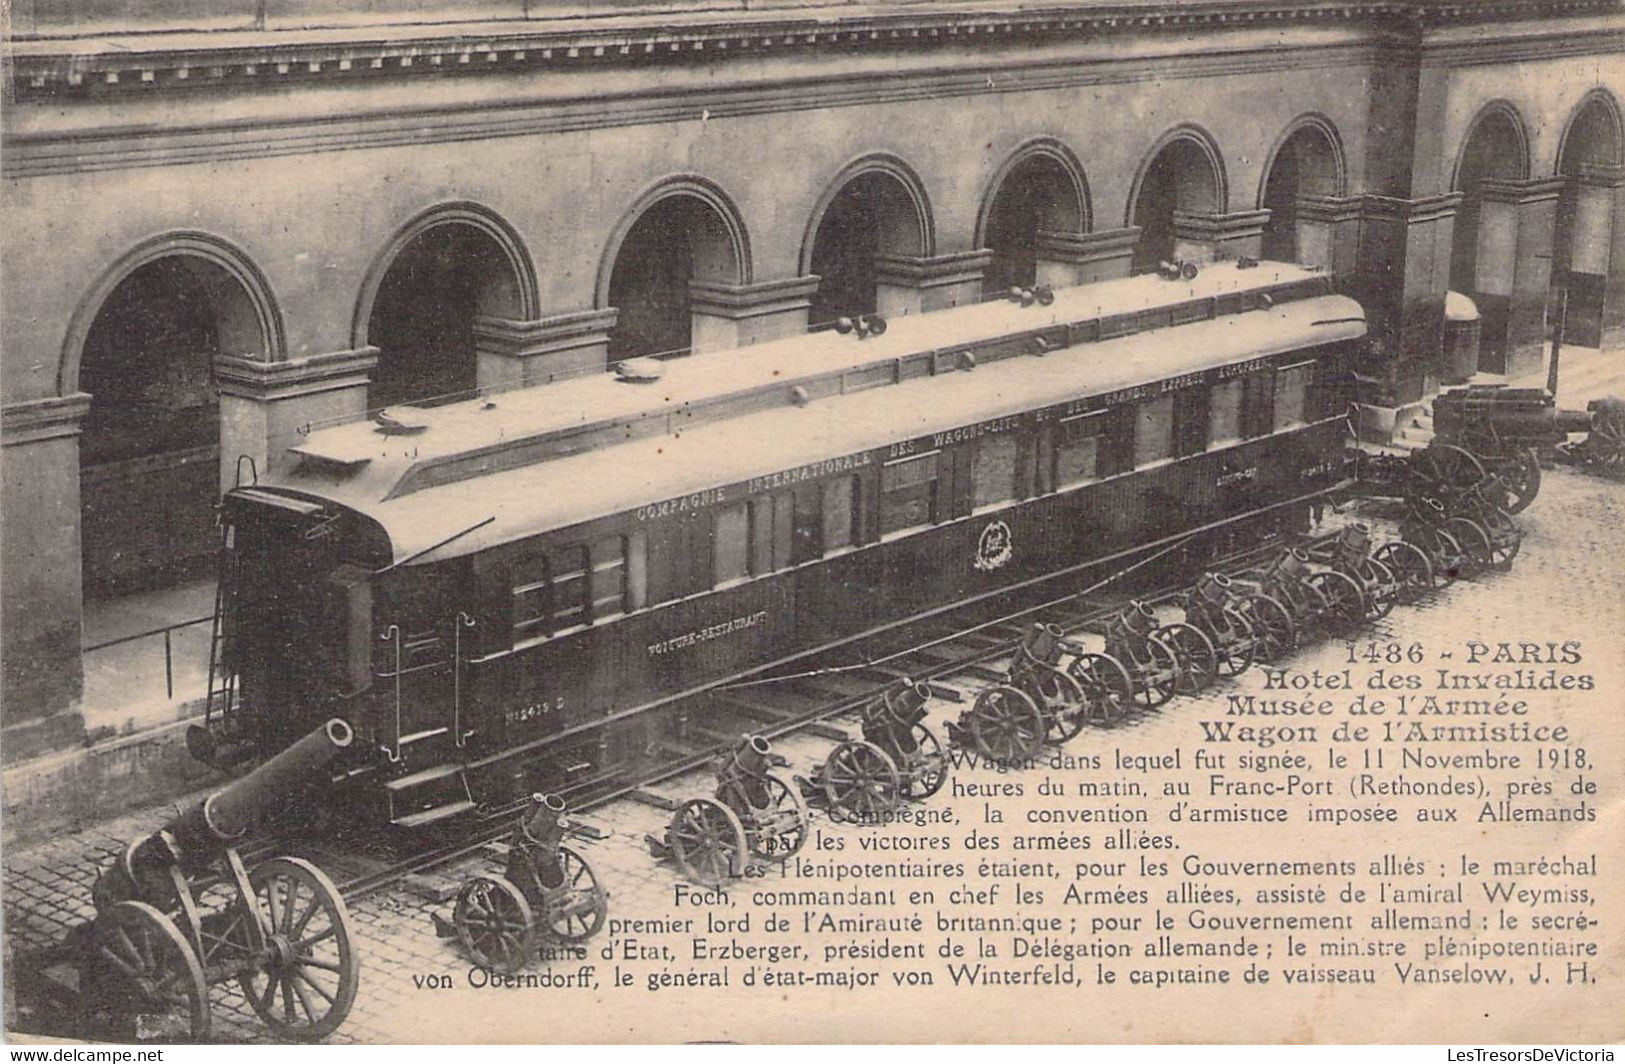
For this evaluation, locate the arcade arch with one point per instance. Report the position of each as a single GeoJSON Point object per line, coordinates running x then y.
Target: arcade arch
{"type": "Point", "coordinates": [1183, 174]}
{"type": "Point", "coordinates": [1307, 162]}
{"type": "Point", "coordinates": [1592, 149]}
{"type": "Point", "coordinates": [1040, 189]}
{"type": "Point", "coordinates": [876, 207]}
{"type": "Point", "coordinates": [1496, 148]}
{"type": "Point", "coordinates": [681, 232]}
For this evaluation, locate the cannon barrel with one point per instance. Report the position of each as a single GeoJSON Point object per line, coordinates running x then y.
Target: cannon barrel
{"type": "Point", "coordinates": [228, 813]}
{"type": "Point", "coordinates": [1568, 422]}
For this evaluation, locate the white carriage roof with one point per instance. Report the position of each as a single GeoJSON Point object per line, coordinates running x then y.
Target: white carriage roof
{"type": "Point", "coordinates": [365, 466]}
{"type": "Point", "coordinates": [573, 489]}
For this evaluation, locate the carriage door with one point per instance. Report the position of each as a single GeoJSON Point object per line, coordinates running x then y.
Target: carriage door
{"type": "Point", "coordinates": [414, 667]}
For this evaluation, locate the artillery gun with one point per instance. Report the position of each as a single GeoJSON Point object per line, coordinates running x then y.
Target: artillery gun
{"type": "Point", "coordinates": [899, 757]}
{"type": "Point", "coordinates": [179, 911]}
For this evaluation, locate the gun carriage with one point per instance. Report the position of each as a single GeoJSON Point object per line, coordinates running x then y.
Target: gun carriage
{"type": "Point", "coordinates": [1388, 574]}
{"type": "Point", "coordinates": [180, 911]}
{"type": "Point", "coordinates": [1318, 599]}
{"type": "Point", "coordinates": [1214, 607]}
{"type": "Point", "coordinates": [755, 813]}
{"type": "Point", "coordinates": [546, 888]}
{"type": "Point", "coordinates": [899, 758]}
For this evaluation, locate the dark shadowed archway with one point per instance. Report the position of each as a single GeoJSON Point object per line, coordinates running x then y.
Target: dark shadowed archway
{"type": "Point", "coordinates": [1308, 162]}
{"type": "Point", "coordinates": [1182, 175]}
{"type": "Point", "coordinates": [875, 208]}
{"type": "Point", "coordinates": [1584, 240]}
{"type": "Point", "coordinates": [1040, 190]}
{"type": "Point", "coordinates": [1496, 148]}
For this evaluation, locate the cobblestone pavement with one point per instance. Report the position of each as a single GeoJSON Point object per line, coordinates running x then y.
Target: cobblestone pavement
{"type": "Point", "coordinates": [1575, 530]}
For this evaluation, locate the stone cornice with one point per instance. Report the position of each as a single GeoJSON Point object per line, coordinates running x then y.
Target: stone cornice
{"type": "Point", "coordinates": [738, 302]}
{"type": "Point", "coordinates": [1534, 190]}
{"type": "Point", "coordinates": [258, 379]}
{"type": "Point", "coordinates": [1411, 211]}
{"type": "Point", "coordinates": [37, 420]}
{"type": "Point", "coordinates": [248, 58]}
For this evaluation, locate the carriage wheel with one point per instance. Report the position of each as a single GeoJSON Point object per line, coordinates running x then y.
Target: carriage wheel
{"type": "Point", "coordinates": [778, 830]}
{"type": "Point", "coordinates": [860, 782]}
{"type": "Point", "coordinates": [1475, 555]}
{"type": "Point", "coordinates": [1059, 699]}
{"type": "Point", "coordinates": [1235, 643]}
{"type": "Point", "coordinates": [1274, 631]}
{"type": "Point", "coordinates": [707, 841]}
{"type": "Point", "coordinates": [312, 973]}
{"type": "Point", "coordinates": [1381, 587]}
{"type": "Point", "coordinates": [1521, 476]}
{"type": "Point", "coordinates": [1198, 658]}
{"type": "Point", "coordinates": [1344, 603]}
{"type": "Point", "coordinates": [1605, 447]}
{"type": "Point", "coordinates": [1006, 724]}
{"type": "Point", "coordinates": [1448, 558]}
{"type": "Point", "coordinates": [494, 924]}
{"type": "Point", "coordinates": [1155, 672]}
{"type": "Point", "coordinates": [1506, 538]}
{"type": "Point", "coordinates": [149, 966]}
{"type": "Point", "coordinates": [927, 768]}
{"type": "Point", "coordinates": [1107, 687]}
{"type": "Point", "coordinates": [1448, 469]}
{"type": "Point", "coordinates": [575, 910]}
{"type": "Point", "coordinates": [1411, 569]}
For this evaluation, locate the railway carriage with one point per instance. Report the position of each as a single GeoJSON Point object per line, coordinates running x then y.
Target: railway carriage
{"type": "Point", "coordinates": [525, 591]}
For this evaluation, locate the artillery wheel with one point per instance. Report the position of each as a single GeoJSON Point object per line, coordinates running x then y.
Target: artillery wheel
{"type": "Point", "coordinates": [1274, 631]}
{"type": "Point", "coordinates": [1381, 588]}
{"type": "Point", "coordinates": [1521, 477]}
{"type": "Point", "coordinates": [1006, 724]}
{"type": "Point", "coordinates": [1506, 538]}
{"type": "Point", "coordinates": [1197, 656]}
{"type": "Point", "coordinates": [1107, 687]}
{"type": "Point", "coordinates": [1411, 568]}
{"type": "Point", "coordinates": [1235, 644]}
{"type": "Point", "coordinates": [149, 965]}
{"type": "Point", "coordinates": [707, 841]}
{"type": "Point", "coordinates": [1449, 558]}
{"type": "Point", "coordinates": [308, 928]}
{"type": "Point", "coordinates": [779, 830]}
{"type": "Point", "coordinates": [1155, 673]}
{"type": "Point", "coordinates": [1449, 469]}
{"type": "Point", "coordinates": [1059, 699]}
{"type": "Point", "coordinates": [860, 782]}
{"type": "Point", "coordinates": [1475, 555]}
{"type": "Point", "coordinates": [574, 911]}
{"type": "Point", "coordinates": [1344, 603]}
{"type": "Point", "coordinates": [1605, 446]}
{"type": "Point", "coordinates": [927, 768]}
{"type": "Point", "coordinates": [494, 923]}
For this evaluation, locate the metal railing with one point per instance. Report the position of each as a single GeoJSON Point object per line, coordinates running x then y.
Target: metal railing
{"type": "Point", "coordinates": [169, 648]}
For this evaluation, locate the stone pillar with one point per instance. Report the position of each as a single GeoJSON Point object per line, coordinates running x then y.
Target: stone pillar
{"type": "Point", "coordinates": [512, 353]}
{"type": "Point", "coordinates": [1596, 258]}
{"type": "Point", "coordinates": [1402, 274]}
{"type": "Point", "coordinates": [1512, 270]}
{"type": "Point", "coordinates": [915, 284]}
{"type": "Point", "coordinates": [1066, 259]}
{"type": "Point", "coordinates": [40, 590]}
{"type": "Point", "coordinates": [731, 315]}
{"type": "Point", "coordinates": [1209, 237]}
{"type": "Point", "coordinates": [1328, 233]}
{"type": "Point", "coordinates": [266, 407]}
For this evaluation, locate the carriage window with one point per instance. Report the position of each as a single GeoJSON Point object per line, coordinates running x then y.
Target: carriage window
{"type": "Point", "coordinates": [530, 607]}
{"type": "Point", "coordinates": [840, 514]}
{"type": "Point", "coordinates": [730, 544]}
{"type": "Point", "coordinates": [550, 592]}
{"type": "Point", "coordinates": [609, 583]}
{"type": "Point", "coordinates": [993, 470]}
{"type": "Point", "coordinates": [772, 518]}
{"type": "Point", "coordinates": [568, 567]}
{"type": "Point", "coordinates": [1153, 430]}
{"type": "Point", "coordinates": [1257, 404]}
{"type": "Point", "coordinates": [1190, 421]}
{"type": "Point", "coordinates": [1077, 456]}
{"type": "Point", "coordinates": [1224, 411]}
{"type": "Point", "coordinates": [908, 493]}
{"type": "Point", "coordinates": [1292, 394]}
{"type": "Point", "coordinates": [1041, 473]}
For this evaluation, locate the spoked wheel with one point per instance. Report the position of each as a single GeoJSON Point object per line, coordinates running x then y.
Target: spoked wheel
{"type": "Point", "coordinates": [1234, 642]}
{"type": "Point", "coordinates": [1059, 699]}
{"type": "Point", "coordinates": [1476, 554]}
{"type": "Point", "coordinates": [307, 988]}
{"type": "Point", "coordinates": [1381, 587]}
{"type": "Point", "coordinates": [778, 830]}
{"type": "Point", "coordinates": [1521, 477]}
{"type": "Point", "coordinates": [146, 966]}
{"type": "Point", "coordinates": [1107, 688]}
{"type": "Point", "coordinates": [1448, 469]}
{"type": "Point", "coordinates": [494, 924]}
{"type": "Point", "coordinates": [1155, 671]}
{"type": "Point", "coordinates": [1274, 631]}
{"type": "Point", "coordinates": [926, 769]}
{"type": "Point", "coordinates": [860, 782]}
{"type": "Point", "coordinates": [1344, 602]}
{"type": "Point", "coordinates": [1197, 656]}
{"type": "Point", "coordinates": [1605, 446]}
{"type": "Point", "coordinates": [575, 910]}
{"type": "Point", "coordinates": [707, 841]}
{"type": "Point", "coordinates": [1006, 725]}
{"type": "Point", "coordinates": [1413, 573]}
{"type": "Point", "coordinates": [1449, 558]}
{"type": "Point", "coordinates": [1506, 538]}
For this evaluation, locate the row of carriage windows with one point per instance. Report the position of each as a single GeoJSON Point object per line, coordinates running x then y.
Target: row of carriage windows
{"type": "Point", "coordinates": [570, 587]}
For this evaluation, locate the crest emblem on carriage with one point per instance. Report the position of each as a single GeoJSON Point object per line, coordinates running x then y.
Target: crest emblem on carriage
{"type": "Point", "coordinates": [995, 547]}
